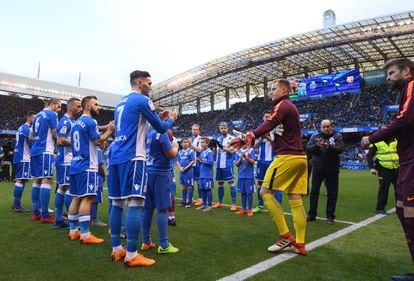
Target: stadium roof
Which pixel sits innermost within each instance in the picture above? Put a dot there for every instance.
(18, 85)
(365, 44)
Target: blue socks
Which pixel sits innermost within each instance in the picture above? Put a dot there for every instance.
(162, 225)
(146, 225)
(184, 195)
(209, 197)
(35, 194)
(249, 201)
(84, 220)
(204, 197)
(190, 192)
(115, 219)
(44, 199)
(259, 198)
(233, 194)
(59, 201)
(244, 201)
(17, 194)
(73, 220)
(133, 226)
(94, 211)
(68, 200)
(220, 193)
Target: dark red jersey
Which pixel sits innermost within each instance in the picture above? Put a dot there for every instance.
(402, 127)
(286, 113)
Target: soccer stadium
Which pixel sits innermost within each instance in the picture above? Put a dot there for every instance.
(335, 73)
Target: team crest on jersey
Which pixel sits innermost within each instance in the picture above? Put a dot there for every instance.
(64, 129)
(151, 105)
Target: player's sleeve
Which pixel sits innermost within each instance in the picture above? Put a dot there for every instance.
(210, 160)
(53, 119)
(92, 130)
(26, 131)
(148, 110)
(165, 142)
(63, 129)
(404, 118)
(274, 120)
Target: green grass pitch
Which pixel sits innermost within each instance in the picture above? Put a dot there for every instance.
(213, 245)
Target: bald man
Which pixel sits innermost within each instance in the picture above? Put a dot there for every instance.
(325, 147)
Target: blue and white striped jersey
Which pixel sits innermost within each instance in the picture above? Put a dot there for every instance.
(23, 143)
(266, 153)
(224, 159)
(85, 153)
(42, 126)
(133, 115)
(64, 154)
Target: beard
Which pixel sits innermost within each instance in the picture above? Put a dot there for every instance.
(396, 85)
(94, 114)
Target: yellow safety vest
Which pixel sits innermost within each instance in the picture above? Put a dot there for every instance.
(387, 154)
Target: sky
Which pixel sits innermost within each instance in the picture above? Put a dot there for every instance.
(105, 40)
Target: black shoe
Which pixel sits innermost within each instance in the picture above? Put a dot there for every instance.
(382, 212)
(406, 277)
(309, 218)
(20, 210)
(172, 222)
(60, 224)
(330, 221)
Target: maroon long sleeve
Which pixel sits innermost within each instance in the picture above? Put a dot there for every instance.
(286, 113)
(402, 127)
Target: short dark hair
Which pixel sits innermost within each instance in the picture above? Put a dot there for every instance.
(284, 82)
(206, 139)
(71, 101)
(30, 113)
(137, 74)
(52, 101)
(86, 99)
(401, 63)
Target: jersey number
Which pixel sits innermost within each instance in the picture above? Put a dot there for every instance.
(120, 110)
(36, 126)
(75, 140)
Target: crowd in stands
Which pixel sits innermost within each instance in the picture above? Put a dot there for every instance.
(346, 110)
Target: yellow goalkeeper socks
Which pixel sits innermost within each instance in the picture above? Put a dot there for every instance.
(276, 212)
(299, 219)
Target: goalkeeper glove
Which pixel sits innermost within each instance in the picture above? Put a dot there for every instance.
(250, 139)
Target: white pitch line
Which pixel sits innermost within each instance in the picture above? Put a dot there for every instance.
(286, 213)
(269, 263)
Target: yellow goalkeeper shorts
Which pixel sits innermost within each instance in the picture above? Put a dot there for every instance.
(288, 173)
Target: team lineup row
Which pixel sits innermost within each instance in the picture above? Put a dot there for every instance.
(140, 165)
